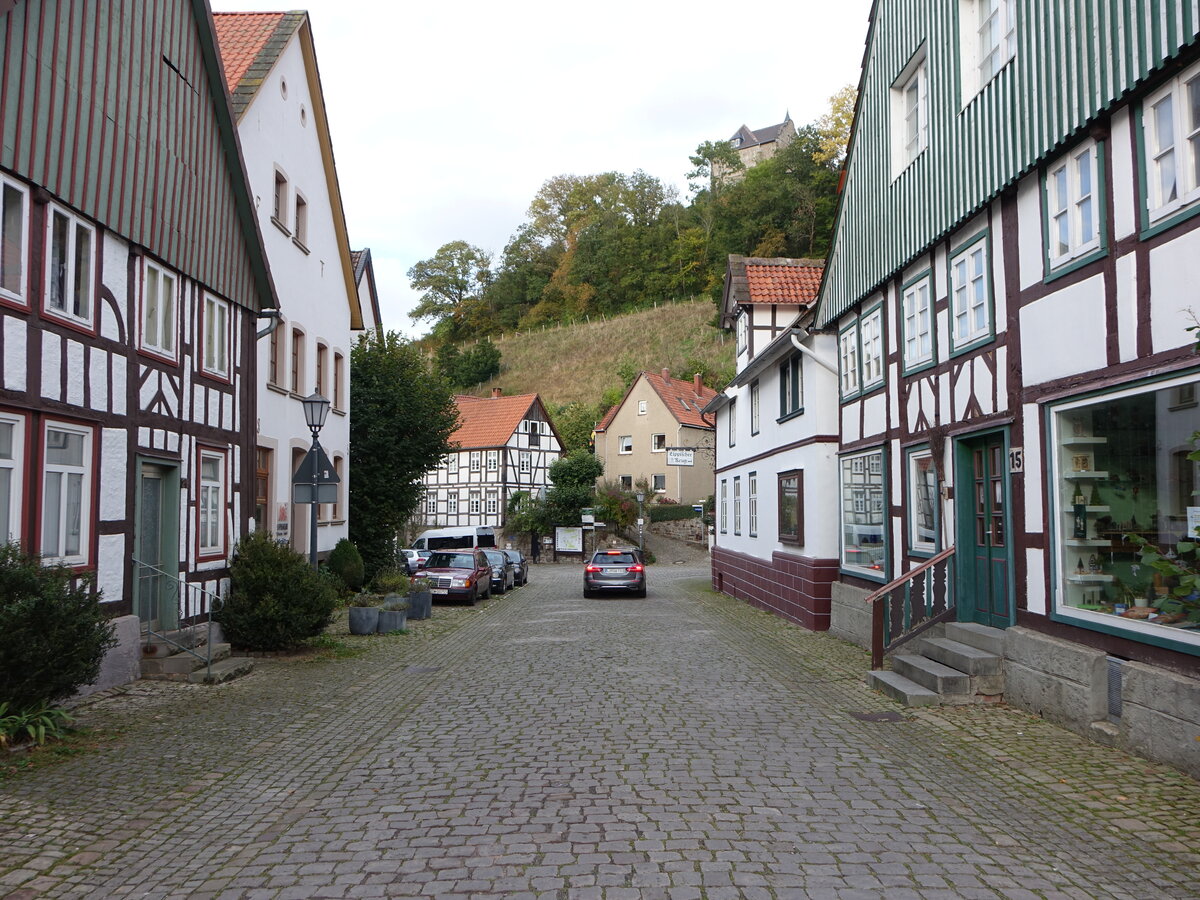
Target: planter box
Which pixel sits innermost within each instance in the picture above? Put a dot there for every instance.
(364, 619)
(392, 620)
(420, 604)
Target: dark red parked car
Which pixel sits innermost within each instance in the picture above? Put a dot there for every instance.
(459, 575)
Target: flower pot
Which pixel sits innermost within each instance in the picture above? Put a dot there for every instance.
(392, 620)
(364, 619)
(420, 604)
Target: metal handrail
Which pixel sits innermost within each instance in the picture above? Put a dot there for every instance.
(905, 613)
(183, 610)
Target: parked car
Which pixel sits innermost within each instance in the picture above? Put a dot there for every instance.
(412, 561)
(459, 575)
(615, 570)
(503, 573)
(424, 555)
(520, 565)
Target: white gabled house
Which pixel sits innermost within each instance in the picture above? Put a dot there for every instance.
(271, 68)
(502, 445)
(776, 444)
(132, 274)
(1013, 272)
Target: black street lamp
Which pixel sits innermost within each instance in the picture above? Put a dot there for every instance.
(316, 411)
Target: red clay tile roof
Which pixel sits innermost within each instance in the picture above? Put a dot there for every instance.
(679, 396)
(242, 37)
(794, 281)
(489, 421)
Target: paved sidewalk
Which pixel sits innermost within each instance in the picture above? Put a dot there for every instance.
(683, 746)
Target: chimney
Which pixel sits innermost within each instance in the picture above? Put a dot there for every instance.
(496, 392)
(666, 373)
(697, 384)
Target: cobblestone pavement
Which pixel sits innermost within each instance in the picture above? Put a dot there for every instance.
(683, 746)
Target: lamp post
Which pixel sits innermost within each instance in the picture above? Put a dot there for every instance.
(640, 497)
(316, 411)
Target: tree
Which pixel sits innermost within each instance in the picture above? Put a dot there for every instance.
(403, 419)
(574, 485)
(464, 369)
(834, 128)
(713, 160)
(454, 281)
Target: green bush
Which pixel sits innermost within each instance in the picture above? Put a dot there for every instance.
(276, 600)
(347, 563)
(390, 581)
(53, 635)
(671, 512)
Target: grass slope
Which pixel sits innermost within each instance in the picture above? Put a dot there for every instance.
(576, 363)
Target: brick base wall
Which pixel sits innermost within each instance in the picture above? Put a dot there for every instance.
(793, 587)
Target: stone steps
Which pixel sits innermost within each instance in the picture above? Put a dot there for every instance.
(163, 660)
(959, 663)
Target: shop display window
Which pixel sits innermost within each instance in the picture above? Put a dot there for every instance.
(1123, 475)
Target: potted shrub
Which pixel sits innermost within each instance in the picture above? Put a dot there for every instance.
(394, 614)
(420, 598)
(364, 614)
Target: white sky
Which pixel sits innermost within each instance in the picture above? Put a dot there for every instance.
(447, 118)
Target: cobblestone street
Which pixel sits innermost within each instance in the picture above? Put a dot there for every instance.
(542, 745)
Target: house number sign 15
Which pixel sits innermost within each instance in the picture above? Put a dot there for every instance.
(1016, 460)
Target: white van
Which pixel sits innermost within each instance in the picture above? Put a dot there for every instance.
(456, 538)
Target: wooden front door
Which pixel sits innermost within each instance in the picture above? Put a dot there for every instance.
(984, 557)
(156, 541)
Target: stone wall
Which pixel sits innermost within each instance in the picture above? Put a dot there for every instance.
(849, 615)
(122, 664)
(793, 587)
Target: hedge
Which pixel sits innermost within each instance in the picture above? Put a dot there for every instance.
(672, 513)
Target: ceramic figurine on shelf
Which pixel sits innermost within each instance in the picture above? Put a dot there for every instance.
(1079, 569)
(1093, 564)
(1095, 498)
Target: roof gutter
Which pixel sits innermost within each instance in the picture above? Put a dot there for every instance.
(801, 334)
(272, 316)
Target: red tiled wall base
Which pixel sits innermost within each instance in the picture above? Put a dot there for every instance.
(794, 587)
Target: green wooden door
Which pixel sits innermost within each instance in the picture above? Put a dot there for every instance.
(984, 557)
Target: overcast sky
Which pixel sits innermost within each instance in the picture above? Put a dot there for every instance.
(447, 117)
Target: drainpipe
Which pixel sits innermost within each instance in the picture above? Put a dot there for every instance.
(272, 316)
(798, 335)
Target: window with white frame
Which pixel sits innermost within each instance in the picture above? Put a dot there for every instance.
(1171, 137)
(922, 502)
(791, 386)
(1072, 206)
(863, 544)
(14, 230)
(431, 505)
(917, 300)
(641, 407)
(755, 408)
(752, 502)
(970, 310)
(452, 504)
(493, 504)
(493, 461)
(743, 332)
(658, 443)
(216, 337)
(211, 503)
(848, 360)
(910, 113)
(658, 483)
(476, 460)
(452, 464)
(473, 503)
(525, 462)
(871, 331)
(12, 445)
(625, 443)
(70, 266)
(732, 422)
(66, 493)
(987, 41)
(724, 505)
(737, 504)
(158, 309)
(627, 482)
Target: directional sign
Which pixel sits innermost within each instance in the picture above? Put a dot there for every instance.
(316, 468)
(680, 457)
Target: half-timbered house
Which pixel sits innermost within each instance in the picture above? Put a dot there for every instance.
(1013, 275)
(271, 69)
(502, 445)
(132, 273)
(776, 444)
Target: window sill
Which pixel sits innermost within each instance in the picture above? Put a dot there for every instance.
(300, 244)
(1068, 266)
(868, 574)
(338, 412)
(271, 386)
(226, 378)
(1170, 219)
(973, 344)
(923, 365)
(794, 414)
(280, 226)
